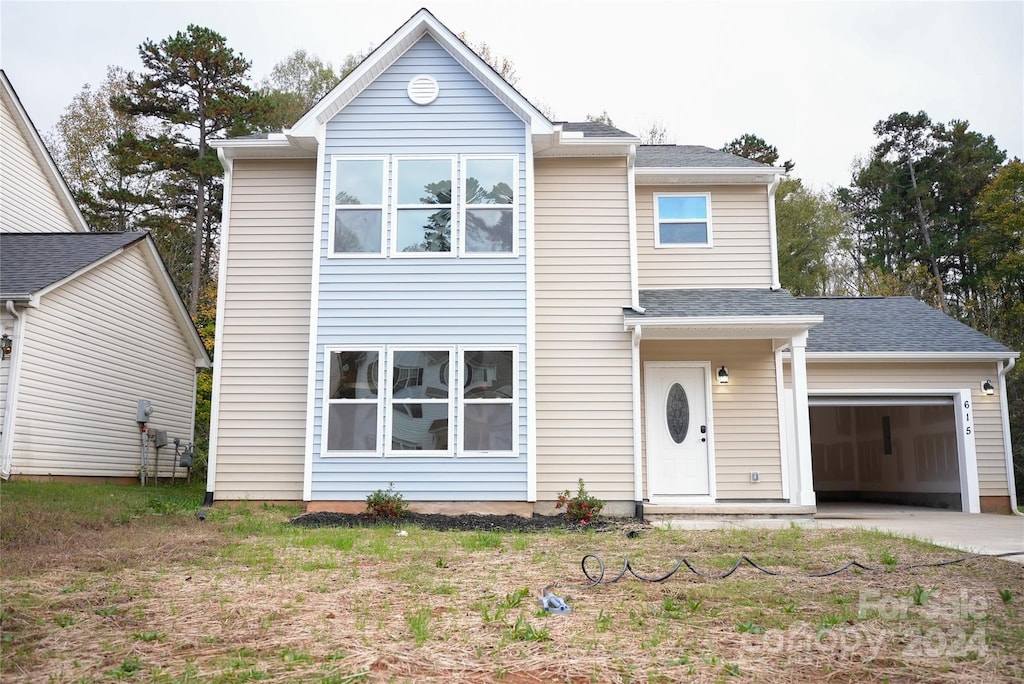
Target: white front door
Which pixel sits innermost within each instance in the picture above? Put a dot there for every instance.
(678, 431)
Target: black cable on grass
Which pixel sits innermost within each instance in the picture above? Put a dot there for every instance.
(628, 567)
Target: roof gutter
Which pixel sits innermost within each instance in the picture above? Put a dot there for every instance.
(724, 321)
(875, 357)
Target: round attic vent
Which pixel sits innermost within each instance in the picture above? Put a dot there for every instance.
(423, 89)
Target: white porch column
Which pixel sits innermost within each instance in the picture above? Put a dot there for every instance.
(804, 495)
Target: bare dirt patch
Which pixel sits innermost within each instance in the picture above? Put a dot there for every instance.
(246, 596)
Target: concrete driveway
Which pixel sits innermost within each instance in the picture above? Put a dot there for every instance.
(972, 532)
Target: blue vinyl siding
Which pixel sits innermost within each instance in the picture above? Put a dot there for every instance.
(431, 300)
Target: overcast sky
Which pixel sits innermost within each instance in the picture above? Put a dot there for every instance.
(811, 78)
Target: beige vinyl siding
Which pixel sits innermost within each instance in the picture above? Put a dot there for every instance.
(28, 199)
(583, 355)
(745, 412)
(988, 426)
(741, 255)
(92, 349)
(261, 438)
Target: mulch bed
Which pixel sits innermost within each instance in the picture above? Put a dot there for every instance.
(485, 523)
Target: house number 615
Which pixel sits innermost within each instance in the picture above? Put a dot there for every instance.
(967, 417)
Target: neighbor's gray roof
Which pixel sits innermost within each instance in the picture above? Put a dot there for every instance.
(717, 302)
(593, 129)
(690, 156)
(30, 262)
(891, 324)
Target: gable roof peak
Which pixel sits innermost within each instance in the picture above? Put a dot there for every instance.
(422, 23)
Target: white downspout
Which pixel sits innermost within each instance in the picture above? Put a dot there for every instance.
(1007, 447)
(773, 236)
(634, 269)
(638, 492)
(11, 405)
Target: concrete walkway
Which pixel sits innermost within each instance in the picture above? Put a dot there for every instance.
(972, 532)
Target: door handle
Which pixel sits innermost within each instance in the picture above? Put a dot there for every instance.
(703, 431)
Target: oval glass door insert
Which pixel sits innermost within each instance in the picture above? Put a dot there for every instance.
(677, 413)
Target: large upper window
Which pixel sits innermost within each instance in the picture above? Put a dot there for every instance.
(489, 200)
(682, 220)
(402, 206)
(423, 202)
(358, 206)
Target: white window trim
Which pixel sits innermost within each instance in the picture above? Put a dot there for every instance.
(334, 206)
(395, 207)
(690, 245)
(325, 412)
(514, 254)
(514, 452)
(389, 404)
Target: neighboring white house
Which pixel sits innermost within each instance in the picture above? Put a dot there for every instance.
(91, 324)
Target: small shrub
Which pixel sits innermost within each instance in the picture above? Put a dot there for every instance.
(386, 504)
(581, 507)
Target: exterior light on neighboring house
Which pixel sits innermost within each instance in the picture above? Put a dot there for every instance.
(987, 388)
(5, 346)
(723, 376)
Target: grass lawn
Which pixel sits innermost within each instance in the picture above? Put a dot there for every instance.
(112, 583)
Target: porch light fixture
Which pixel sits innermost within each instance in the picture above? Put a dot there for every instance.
(987, 388)
(723, 376)
(5, 346)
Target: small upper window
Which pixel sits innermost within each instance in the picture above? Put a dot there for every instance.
(423, 221)
(489, 200)
(358, 206)
(682, 220)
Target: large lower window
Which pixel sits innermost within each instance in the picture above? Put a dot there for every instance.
(420, 411)
(353, 401)
(416, 397)
(682, 220)
(358, 207)
(487, 401)
(423, 201)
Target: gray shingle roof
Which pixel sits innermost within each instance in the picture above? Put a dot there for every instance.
(891, 324)
(718, 302)
(593, 129)
(690, 156)
(30, 262)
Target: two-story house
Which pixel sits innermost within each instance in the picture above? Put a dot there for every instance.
(425, 281)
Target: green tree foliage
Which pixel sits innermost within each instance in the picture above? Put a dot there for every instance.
(108, 192)
(502, 65)
(602, 118)
(812, 231)
(195, 86)
(298, 82)
(656, 133)
(913, 201)
(998, 250)
(812, 241)
(750, 146)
